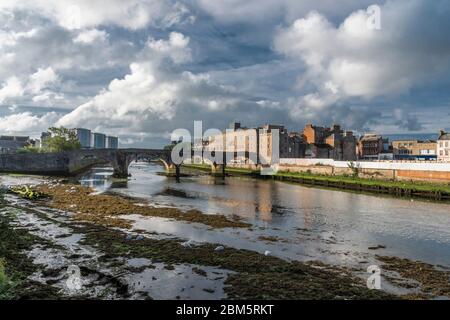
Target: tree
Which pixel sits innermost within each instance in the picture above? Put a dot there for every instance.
(62, 139)
(30, 149)
(171, 145)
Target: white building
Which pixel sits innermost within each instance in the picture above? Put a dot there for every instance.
(443, 148)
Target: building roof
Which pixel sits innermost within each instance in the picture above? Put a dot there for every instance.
(14, 138)
(445, 136)
(370, 137)
(414, 141)
(13, 145)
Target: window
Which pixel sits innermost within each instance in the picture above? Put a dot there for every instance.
(441, 153)
(441, 144)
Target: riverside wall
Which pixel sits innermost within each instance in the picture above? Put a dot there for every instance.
(389, 170)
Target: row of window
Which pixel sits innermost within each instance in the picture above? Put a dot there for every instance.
(405, 145)
(447, 152)
(442, 143)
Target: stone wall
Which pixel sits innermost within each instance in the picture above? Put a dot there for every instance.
(40, 163)
(390, 170)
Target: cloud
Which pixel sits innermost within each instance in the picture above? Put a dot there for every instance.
(352, 61)
(11, 89)
(55, 65)
(42, 79)
(27, 123)
(405, 120)
(130, 14)
(158, 96)
(141, 68)
(90, 36)
(176, 48)
(36, 85)
(147, 91)
(263, 10)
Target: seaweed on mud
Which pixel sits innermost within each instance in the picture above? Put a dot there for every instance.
(28, 193)
(18, 267)
(255, 276)
(3, 191)
(104, 209)
(199, 271)
(271, 239)
(434, 282)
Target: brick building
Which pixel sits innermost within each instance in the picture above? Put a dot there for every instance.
(256, 144)
(443, 147)
(414, 150)
(370, 146)
(331, 143)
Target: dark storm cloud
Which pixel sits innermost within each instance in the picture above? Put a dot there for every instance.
(145, 67)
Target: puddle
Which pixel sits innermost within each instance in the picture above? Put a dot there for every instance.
(181, 282)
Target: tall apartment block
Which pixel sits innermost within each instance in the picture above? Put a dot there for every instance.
(84, 136)
(98, 140)
(112, 142)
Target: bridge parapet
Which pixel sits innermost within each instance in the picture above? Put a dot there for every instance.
(73, 162)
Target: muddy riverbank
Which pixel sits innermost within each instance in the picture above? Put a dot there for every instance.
(105, 209)
(77, 226)
(244, 274)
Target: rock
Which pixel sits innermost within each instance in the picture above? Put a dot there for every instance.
(219, 248)
(139, 237)
(188, 243)
(129, 237)
(267, 253)
(377, 247)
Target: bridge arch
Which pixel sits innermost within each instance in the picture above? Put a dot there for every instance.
(119, 159)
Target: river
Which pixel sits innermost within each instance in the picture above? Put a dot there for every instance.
(291, 221)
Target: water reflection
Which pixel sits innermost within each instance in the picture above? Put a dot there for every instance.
(318, 223)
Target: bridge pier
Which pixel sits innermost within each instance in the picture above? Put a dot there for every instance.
(218, 170)
(121, 164)
(173, 170)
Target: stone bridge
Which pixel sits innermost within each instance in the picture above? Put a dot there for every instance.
(78, 161)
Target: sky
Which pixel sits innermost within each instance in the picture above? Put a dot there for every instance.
(139, 69)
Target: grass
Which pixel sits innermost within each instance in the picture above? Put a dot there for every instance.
(416, 186)
(406, 185)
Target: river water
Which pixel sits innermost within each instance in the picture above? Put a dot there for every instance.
(291, 221)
